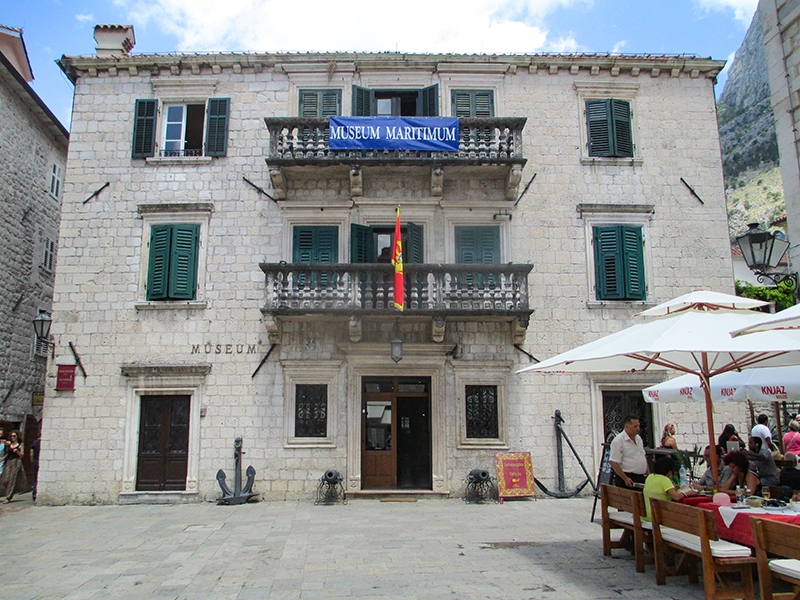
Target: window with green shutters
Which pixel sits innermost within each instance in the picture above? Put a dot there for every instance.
(608, 123)
(186, 129)
(397, 103)
(619, 262)
(320, 103)
(472, 103)
(477, 244)
(172, 268)
(313, 244)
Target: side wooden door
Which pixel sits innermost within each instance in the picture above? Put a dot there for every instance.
(163, 443)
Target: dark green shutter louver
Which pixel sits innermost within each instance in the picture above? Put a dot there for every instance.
(144, 128)
(363, 102)
(331, 103)
(472, 103)
(158, 266)
(361, 243)
(183, 262)
(309, 103)
(414, 252)
(315, 244)
(619, 263)
(217, 126)
(623, 142)
(599, 127)
(428, 101)
(320, 103)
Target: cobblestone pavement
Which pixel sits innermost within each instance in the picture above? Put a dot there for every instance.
(525, 549)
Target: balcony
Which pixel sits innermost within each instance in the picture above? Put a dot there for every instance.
(491, 143)
(435, 290)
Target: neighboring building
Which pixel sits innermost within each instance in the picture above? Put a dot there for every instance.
(781, 22)
(231, 280)
(32, 165)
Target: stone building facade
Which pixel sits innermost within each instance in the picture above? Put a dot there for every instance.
(277, 325)
(32, 169)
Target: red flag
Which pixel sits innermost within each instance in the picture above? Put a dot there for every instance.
(397, 261)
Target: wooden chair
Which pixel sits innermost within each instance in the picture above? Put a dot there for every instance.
(630, 507)
(692, 532)
(783, 541)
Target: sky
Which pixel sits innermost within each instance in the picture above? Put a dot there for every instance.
(52, 28)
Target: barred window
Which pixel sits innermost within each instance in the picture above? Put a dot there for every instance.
(481, 411)
(311, 411)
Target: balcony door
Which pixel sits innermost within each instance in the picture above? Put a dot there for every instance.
(396, 433)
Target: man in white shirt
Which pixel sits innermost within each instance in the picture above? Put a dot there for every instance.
(762, 431)
(627, 456)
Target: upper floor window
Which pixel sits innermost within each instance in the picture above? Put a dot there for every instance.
(477, 244)
(373, 244)
(56, 176)
(315, 244)
(396, 103)
(619, 262)
(608, 124)
(172, 267)
(190, 129)
(320, 103)
(472, 103)
(49, 256)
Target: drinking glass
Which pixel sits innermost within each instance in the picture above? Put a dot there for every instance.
(765, 492)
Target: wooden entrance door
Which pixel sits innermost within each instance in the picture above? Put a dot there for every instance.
(163, 444)
(396, 438)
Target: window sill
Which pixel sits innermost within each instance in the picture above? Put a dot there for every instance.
(621, 304)
(171, 305)
(611, 161)
(179, 160)
(307, 443)
(482, 445)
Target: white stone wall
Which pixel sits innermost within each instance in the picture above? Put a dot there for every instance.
(100, 308)
(28, 215)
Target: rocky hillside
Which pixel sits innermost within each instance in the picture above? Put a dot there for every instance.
(747, 138)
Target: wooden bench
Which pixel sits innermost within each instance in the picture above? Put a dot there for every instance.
(693, 532)
(630, 506)
(783, 541)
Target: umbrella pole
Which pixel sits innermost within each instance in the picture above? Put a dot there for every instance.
(710, 419)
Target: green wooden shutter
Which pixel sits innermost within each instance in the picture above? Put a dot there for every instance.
(183, 262)
(598, 123)
(414, 252)
(315, 244)
(331, 104)
(633, 251)
(309, 103)
(217, 126)
(608, 263)
(144, 128)
(363, 102)
(472, 103)
(361, 244)
(428, 101)
(623, 142)
(158, 264)
(477, 244)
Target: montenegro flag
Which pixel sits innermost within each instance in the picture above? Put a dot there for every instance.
(397, 261)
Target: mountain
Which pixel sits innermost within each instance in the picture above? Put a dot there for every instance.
(747, 138)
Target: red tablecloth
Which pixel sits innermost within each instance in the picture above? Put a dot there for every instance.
(695, 500)
(739, 531)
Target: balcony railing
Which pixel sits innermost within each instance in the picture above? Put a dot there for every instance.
(304, 140)
(368, 289)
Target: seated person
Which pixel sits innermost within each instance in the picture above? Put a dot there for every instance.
(743, 473)
(766, 469)
(659, 484)
(706, 482)
(790, 476)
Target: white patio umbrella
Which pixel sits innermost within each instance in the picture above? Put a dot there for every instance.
(786, 319)
(692, 335)
(768, 384)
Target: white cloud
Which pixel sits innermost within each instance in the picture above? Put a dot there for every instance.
(619, 46)
(743, 10)
(459, 26)
(84, 18)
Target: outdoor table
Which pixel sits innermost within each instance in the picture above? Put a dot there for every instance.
(695, 500)
(733, 524)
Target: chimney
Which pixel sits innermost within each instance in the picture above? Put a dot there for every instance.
(114, 40)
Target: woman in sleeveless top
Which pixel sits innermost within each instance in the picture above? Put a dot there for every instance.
(13, 479)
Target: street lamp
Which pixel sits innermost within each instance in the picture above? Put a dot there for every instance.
(761, 251)
(41, 325)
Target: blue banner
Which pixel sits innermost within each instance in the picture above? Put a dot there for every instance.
(436, 134)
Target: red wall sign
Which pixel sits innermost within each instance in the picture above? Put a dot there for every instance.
(514, 475)
(65, 382)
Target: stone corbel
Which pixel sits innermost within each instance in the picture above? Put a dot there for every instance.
(278, 183)
(437, 182)
(355, 329)
(437, 329)
(356, 182)
(273, 329)
(512, 182)
(519, 327)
